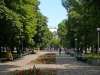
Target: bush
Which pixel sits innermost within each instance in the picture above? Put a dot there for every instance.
(6, 56)
(15, 55)
(2, 54)
(90, 58)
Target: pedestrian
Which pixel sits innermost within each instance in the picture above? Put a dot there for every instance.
(60, 50)
(65, 49)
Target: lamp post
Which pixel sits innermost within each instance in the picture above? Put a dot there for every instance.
(19, 50)
(76, 45)
(98, 30)
(21, 41)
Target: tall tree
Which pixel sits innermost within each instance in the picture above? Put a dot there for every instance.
(43, 34)
(83, 18)
(18, 22)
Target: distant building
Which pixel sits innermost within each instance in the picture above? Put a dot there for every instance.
(54, 31)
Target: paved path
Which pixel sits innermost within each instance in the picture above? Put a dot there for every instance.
(65, 65)
(19, 64)
(74, 67)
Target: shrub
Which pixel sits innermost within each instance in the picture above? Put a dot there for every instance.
(90, 58)
(7, 55)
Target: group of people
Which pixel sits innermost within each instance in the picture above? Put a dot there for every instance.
(60, 50)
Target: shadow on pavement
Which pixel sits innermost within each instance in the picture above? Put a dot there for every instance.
(4, 67)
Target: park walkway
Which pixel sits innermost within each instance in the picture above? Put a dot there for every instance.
(19, 64)
(74, 67)
(65, 65)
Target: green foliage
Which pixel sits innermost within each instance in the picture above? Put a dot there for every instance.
(21, 22)
(62, 31)
(92, 58)
(6, 56)
(55, 42)
(83, 19)
(43, 35)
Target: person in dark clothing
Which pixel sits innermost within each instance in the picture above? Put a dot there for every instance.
(65, 49)
(60, 50)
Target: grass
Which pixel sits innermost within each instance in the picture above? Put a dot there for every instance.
(49, 58)
(92, 56)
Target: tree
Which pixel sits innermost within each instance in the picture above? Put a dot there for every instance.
(18, 22)
(83, 19)
(43, 35)
(62, 31)
(9, 26)
(55, 42)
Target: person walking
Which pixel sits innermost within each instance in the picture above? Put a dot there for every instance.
(60, 50)
(65, 49)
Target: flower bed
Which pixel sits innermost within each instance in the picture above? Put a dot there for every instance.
(49, 58)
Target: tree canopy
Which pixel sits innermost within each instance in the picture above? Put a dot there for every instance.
(82, 23)
(22, 23)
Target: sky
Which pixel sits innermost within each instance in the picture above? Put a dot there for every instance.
(54, 10)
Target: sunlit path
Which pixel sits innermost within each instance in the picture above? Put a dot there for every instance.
(74, 67)
(65, 65)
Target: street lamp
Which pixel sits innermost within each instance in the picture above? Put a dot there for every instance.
(98, 30)
(76, 44)
(21, 41)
